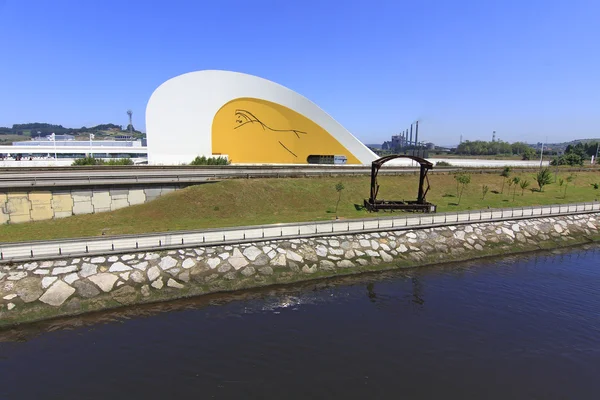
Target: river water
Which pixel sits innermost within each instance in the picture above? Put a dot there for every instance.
(523, 327)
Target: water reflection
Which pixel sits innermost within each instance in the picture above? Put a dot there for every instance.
(297, 295)
(513, 327)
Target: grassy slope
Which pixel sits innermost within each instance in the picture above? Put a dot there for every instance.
(9, 138)
(263, 201)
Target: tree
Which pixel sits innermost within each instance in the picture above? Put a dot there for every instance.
(570, 179)
(520, 147)
(510, 183)
(571, 159)
(480, 147)
(515, 182)
(543, 178)
(456, 175)
(505, 174)
(591, 148)
(578, 149)
(484, 190)
(338, 188)
(464, 180)
(528, 153)
(524, 185)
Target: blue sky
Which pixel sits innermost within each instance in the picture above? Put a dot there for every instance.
(528, 69)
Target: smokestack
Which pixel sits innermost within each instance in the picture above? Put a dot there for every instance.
(410, 142)
(417, 134)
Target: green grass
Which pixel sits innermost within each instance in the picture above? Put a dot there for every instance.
(240, 202)
(432, 154)
(8, 139)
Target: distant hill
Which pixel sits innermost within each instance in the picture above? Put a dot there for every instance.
(583, 141)
(20, 132)
(562, 146)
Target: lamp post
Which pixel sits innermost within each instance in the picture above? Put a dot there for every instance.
(542, 154)
(92, 136)
(53, 139)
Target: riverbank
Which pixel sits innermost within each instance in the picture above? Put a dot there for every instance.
(244, 202)
(520, 326)
(46, 289)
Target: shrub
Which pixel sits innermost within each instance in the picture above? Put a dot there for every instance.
(210, 161)
(571, 159)
(528, 154)
(87, 161)
(99, 161)
(118, 161)
(443, 164)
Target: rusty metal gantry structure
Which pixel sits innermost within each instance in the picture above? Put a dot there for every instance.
(420, 205)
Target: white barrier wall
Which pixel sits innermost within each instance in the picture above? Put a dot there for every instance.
(102, 245)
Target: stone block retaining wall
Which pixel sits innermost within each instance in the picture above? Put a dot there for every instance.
(42, 289)
(23, 206)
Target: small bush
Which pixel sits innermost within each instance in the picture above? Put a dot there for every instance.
(443, 164)
(118, 161)
(99, 161)
(87, 161)
(210, 161)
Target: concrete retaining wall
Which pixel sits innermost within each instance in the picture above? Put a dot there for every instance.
(44, 289)
(26, 206)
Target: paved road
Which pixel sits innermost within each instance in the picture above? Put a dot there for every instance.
(55, 177)
(45, 177)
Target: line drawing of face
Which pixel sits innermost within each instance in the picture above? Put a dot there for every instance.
(243, 117)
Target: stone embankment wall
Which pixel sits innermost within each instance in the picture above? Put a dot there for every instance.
(22, 206)
(43, 289)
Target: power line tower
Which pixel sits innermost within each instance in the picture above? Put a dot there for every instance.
(130, 114)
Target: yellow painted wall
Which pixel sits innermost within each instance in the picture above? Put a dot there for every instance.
(258, 131)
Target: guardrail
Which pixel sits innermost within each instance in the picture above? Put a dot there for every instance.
(10, 252)
(135, 176)
(43, 178)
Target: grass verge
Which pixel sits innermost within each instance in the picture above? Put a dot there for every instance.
(240, 202)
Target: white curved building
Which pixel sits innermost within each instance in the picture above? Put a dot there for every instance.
(248, 119)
